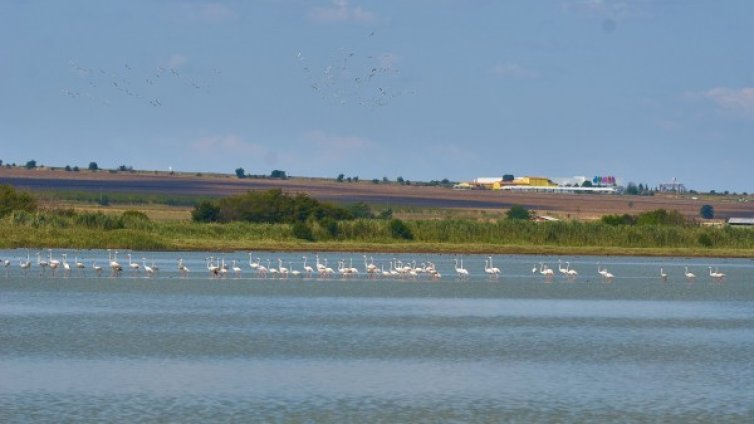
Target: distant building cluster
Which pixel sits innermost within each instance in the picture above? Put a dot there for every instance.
(598, 184)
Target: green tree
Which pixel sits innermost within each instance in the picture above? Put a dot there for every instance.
(31, 164)
(278, 174)
(707, 212)
(93, 166)
(400, 180)
(518, 212)
(340, 178)
(632, 189)
(11, 200)
(240, 173)
(587, 183)
(508, 177)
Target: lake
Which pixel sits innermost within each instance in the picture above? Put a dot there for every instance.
(518, 348)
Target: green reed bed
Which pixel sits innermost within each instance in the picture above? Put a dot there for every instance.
(68, 229)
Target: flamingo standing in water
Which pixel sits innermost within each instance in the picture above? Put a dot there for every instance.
(663, 275)
(690, 276)
(307, 268)
(460, 270)
(716, 275)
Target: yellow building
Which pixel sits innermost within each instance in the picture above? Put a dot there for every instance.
(533, 182)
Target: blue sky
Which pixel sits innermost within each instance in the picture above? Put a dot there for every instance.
(645, 90)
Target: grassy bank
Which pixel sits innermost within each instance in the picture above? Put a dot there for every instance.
(135, 231)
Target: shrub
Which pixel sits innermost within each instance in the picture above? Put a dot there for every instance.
(302, 231)
(707, 212)
(399, 229)
(206, 211)
(10, 201)
(518, 212)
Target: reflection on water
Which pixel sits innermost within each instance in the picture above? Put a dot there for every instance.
(200, 349)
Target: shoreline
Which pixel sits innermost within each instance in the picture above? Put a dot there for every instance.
(417, 248)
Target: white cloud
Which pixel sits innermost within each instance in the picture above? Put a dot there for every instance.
(736, 100)
(342, 11)
(209, 12)
(336, 144)
(611, 9)
(227, 145)
(176, 60)
(512, 70)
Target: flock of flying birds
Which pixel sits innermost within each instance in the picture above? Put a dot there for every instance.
(106, 87)
(352, 76)
(217, 267)
(347, 76)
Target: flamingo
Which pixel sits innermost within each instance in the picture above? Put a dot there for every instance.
(282, 270)
(41, 262)
(148, 269)
(25, 265)
(717, 276)
(53, 263)
(271, 270)
(236, 269)
(97, 268)
(546, 271)
(294, 272)
(66, 266)
(307, 268)
(663, 275)
(182, 269)
(213, 269)
(495, 269)
(562, 270)
(606, 276)
(6, 264)
(690, 276)
(79, 265)
(571, 273)
(114, 265)
(460, 270)
(253, 265)
(261, 269)
(488, 269)
(134, 266)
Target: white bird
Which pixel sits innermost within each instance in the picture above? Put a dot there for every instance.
(495, 269)
(253, 265)
(307, 268)
(460, 270)
(546, 271)
(66, 266)
(182, 269)
(79, 265)
(134, 266)
(282, 270)
(41, 262)
(148, 269)
(97, 268)
(236, 269)
(690, 276)
(53, 263)
(114, 265)
(571, 273)
(25, 265)
(294, 272)
(663, 275)
(562, 270)
(716, 275)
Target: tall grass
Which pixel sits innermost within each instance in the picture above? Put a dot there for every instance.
(133, 230)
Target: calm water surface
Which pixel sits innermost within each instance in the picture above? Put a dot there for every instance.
(247, 349)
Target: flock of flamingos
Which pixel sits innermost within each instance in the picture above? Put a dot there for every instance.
(219, 268)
